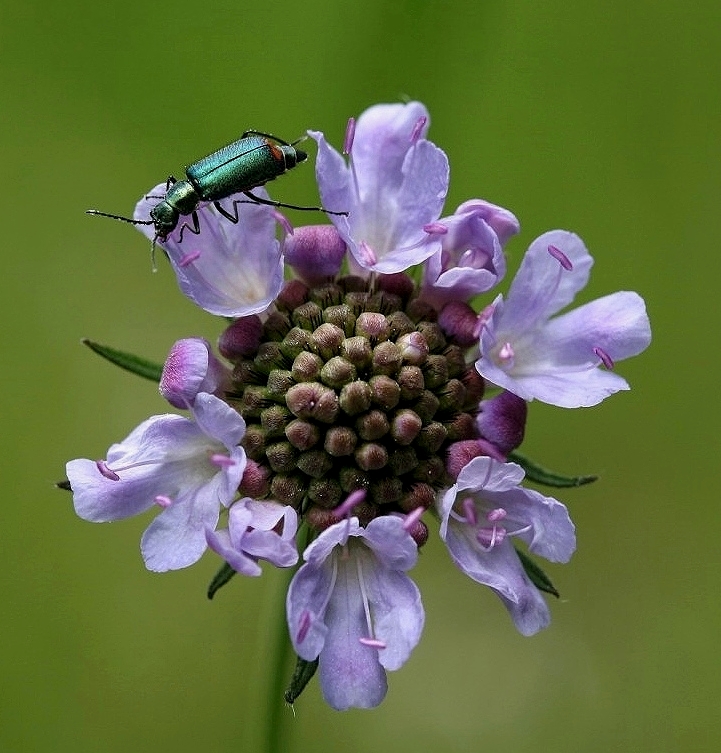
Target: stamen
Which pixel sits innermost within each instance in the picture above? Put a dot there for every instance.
(283, 221)
(353, 499)
(497, 514)
(304, 626)
(222, 461)
(469, 510)
(412, 518)
(372, 642)
(367, 254)
(349, 136)
(435, 228)
(189, 258)
(489, 538)
(418, 128)
(605, 358)
(364, 598)
(484, 317)
(105, 471)
(506, 354)
(163, 501)
(560, 257)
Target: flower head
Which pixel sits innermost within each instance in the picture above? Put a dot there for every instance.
(348, 376)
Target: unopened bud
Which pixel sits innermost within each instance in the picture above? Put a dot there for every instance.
(314, 463)
(327, 339)
(306, 367)
(459, 321)
(312, 400)
(385, 391)
(355, 398)
(340, 441)
(293, 294)
(288, 489)
(342, 317)
(435, 370)
(241, 338)
(372, 425)
(325, 492)
(308, 316)
(405, 426)
(281, 457)
(315, 252)
(371, 456)
(373, 326)
(302, 434)
(256, 480)
(414, 348)
(387, 358)
(337, 372)
(410, 380)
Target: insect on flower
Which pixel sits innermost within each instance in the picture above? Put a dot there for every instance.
(251, 161)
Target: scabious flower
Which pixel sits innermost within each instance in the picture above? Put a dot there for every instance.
(365, 396)
(189, 468)
(352, 606)
(559, 360)
(227, 269)
(251, 535)
(480, 515)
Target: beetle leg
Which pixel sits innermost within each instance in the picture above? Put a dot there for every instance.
(195, 229)
(272, 203)
(228, 215)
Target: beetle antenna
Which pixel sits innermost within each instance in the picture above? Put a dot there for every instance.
(303, 138)
(118, 217)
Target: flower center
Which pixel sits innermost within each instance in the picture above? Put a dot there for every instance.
(354, 386)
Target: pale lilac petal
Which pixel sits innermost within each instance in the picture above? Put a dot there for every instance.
(541, 286)
(228, 269)
(382, 137)
(176, 538)
(220, 542)
(616, 323)
(217, 419)
(398, 615)
(489, 475)
(99, 499)
(349, 671)
(390, 542)
(306, 604)
(503, 223)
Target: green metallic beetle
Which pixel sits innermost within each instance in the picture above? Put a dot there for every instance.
(251, 161)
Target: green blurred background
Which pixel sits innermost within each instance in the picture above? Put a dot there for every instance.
(600, 117)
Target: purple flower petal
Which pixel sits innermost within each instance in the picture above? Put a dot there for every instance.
(558, 360)
(228, 269)
(394, 187)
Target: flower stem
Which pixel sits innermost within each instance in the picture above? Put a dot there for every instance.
(280, 651)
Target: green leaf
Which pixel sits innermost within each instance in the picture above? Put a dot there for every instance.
(224, 574)
(541, 475)
(127, 361)
(304, 671)
(539, 579)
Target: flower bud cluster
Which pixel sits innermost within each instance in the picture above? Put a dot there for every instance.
(346, 386)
